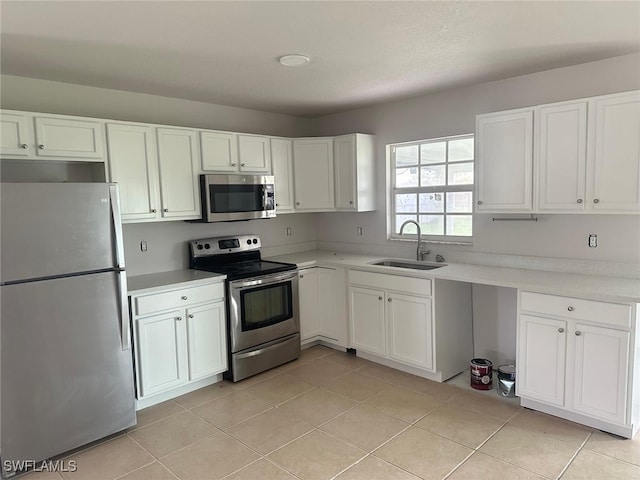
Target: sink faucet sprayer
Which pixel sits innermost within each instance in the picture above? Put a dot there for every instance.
(420, 253)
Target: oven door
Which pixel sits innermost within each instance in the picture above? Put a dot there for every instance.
(237, 197)
(262, 309)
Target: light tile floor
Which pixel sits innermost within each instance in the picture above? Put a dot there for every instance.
(333, 415)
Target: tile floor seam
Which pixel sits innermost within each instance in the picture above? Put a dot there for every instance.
(609, 456)
(241, 468)
(95, 444)
(282, 468)
(208, 401)
(155, 460)
(278, 448)
(569, 463)
(137, 429)
(350, 466)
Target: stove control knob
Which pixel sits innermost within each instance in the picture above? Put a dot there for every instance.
(207, 246)
(249, 242)
(200, 247)
(255, 240)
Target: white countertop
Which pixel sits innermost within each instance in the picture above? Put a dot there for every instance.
(155, 282)
(589, 286)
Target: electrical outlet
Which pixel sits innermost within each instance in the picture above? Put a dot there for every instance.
(593, 240)
(143, 246)
(358, 230)
(288, 231)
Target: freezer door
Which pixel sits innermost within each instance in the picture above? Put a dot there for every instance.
(52, 229)
(66, 380)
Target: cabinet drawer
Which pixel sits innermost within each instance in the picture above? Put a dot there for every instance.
(409, 285)
(157, 302)
(616, 314)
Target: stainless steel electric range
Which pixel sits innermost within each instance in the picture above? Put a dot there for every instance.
(263, 326)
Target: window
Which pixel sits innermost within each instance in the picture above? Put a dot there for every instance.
(432, 183)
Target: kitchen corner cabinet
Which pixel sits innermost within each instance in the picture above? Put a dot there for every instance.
(178, 164)
(282, 163)
(313, 174)
(576, 360)
(397, 321)
(322, 305)
(504, 149)
(354, 172)
(51, 137)
(180, 340)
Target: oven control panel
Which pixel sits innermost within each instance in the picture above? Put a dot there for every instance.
(219, 245)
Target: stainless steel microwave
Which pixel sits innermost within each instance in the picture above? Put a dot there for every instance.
(227, 198)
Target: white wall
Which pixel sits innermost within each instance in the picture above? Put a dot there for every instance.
(452, 113)
(167, 247)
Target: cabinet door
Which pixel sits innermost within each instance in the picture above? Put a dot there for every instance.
(207, 340)
(615, 156)
(254, 153)
(15, 137)
(561, 153)
(344, 149)
(281, 158)
(367, 319)
(601, 372)
(308, 302)
(70, 139)
(410, 327)
(161, 352)
(178, 156)
(541, 359)
(133, 164)
(505, 154)
(313, 174)
(327, 319)
(219, 151)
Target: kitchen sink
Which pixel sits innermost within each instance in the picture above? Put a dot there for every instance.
(409, 264)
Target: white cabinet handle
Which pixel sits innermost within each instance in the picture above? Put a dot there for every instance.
(242, 164)
(234, 164)
(595, 200)
(301, 276)
(379, 298)
(24, 146)
(570, 309)
(41, 147)
(179, 319)
(184, 297)
(166, 209)
(561, 330)
(191, 315)
(153, 210)
(389, 299)
(579, 200)
(578, 333)
(350, 202)
(479, 202)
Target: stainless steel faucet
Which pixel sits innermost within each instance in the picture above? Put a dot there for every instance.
(420, 253)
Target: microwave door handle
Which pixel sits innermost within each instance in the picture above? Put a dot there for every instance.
(264, 198)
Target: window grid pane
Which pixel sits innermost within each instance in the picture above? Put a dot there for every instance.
(433, 184)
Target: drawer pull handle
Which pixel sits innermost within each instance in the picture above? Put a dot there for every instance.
(191, 315)
(379, 298)
(41, 147)
(242, 164)
(301, 276)
(24, 146)
(153, 210)
(234, 164)
(179, 319)
(184, 297)
(389, 299)
(570, 309)
(561, 330)
(166, 209)
(479, 202)
(578, 333)
(595, 200)
(579, 200)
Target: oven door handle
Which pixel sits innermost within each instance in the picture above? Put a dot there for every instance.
(266, 280)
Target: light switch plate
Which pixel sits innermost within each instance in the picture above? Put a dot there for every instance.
(593, 240)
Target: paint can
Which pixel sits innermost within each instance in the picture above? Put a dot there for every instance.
(481, 374)
(507, 380)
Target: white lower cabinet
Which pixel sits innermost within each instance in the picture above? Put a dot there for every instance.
(575, 360)
(322, 305)
(180, 340)
(414, 324)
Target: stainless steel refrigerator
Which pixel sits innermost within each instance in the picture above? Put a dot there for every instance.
(66, 374)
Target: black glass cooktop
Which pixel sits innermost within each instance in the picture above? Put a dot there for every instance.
(252, 268)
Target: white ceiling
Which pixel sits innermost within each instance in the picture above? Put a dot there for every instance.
(362, 52)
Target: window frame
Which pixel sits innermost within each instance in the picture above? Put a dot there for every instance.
(393, 190)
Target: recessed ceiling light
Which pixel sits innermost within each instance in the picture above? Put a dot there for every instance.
(294, 60)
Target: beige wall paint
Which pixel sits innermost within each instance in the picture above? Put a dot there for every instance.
(452, 113)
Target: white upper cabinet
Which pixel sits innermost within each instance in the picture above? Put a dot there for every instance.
(282, 162)
(133, 164)
(313, 174)
(16, 138)
(66, 138)
(354, 172)
(254, 154)
(614, 152)
(219, 151)
(561, 140)
(504, 143)
(51, 137)
(178, 156)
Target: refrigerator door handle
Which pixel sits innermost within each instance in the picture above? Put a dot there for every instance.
(117, 225)
(125, 332)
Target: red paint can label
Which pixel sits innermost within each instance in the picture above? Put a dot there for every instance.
(481, 374)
